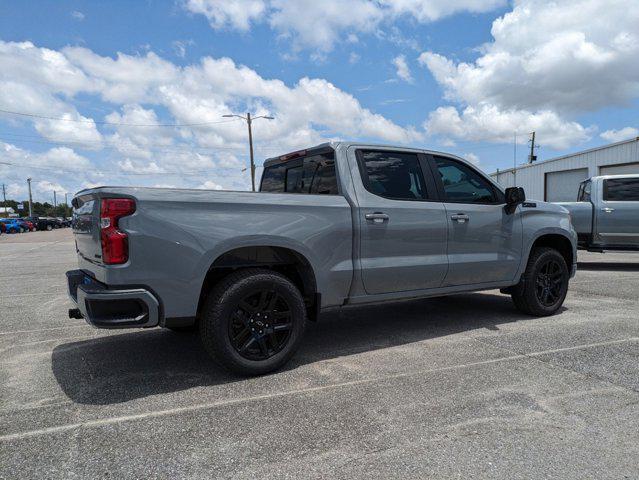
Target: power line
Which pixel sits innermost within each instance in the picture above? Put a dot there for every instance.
(111, 145)
(97, 122)
(98, 172)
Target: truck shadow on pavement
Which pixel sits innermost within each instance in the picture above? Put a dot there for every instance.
(122, 367)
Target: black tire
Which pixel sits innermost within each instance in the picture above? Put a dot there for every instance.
(49, 228)
(544, 285)
(264, 339)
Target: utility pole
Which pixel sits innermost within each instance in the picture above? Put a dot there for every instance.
(66, 204)
(515, 160)
(249, 122)
(4, 195)
(30, 199)
(55, 202)
(532, 157)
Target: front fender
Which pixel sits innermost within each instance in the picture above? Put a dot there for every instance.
(564, 229)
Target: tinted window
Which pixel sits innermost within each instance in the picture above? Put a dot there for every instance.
(325, 180)
(294, 179)
(273, 179)
(621, 189)
(462, 184)
(393, 175)
(584, 191)
(313, 174)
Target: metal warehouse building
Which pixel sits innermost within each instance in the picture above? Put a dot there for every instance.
(557, 179)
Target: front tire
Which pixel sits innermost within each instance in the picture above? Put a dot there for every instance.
(544, 285)
(49, 228)
(253, 321)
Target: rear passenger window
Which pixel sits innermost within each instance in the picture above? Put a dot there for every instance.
(621, 189)
(393, 175)
(312, 174)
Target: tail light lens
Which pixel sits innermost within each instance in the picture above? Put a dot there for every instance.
(115, 244)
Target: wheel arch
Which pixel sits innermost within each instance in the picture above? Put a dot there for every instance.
(283, 259)
(557, 240)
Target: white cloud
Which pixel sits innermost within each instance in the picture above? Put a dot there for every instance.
(472, 158)
(432, 10)
(125, 79)
(548, 61)
(402, 68)
(60, 169)
(488, 123)
(320, 24)
(569, 56)
(226, 13)
(210, 185)
(147, 89)
(619, 135)
(77, 15)
(128, 166)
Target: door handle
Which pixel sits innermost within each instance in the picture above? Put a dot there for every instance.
(377, 217)
(607, 209)
(460, 217)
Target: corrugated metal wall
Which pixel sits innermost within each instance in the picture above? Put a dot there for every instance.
(532, 177)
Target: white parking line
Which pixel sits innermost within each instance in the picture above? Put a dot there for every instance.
(204, 406)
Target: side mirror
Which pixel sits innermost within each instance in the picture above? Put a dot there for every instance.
(514, 196)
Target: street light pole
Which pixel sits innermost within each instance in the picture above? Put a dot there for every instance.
(249, 122)
(250, 131)
(30, 199)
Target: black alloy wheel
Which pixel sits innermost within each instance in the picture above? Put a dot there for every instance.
(261, 325)
(544, 284)
(549, 281)
(253, 321)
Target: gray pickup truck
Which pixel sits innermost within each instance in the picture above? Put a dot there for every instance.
(335, 225)
(606, 213)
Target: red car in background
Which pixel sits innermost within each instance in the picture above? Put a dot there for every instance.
(26, 224)
(3, 229)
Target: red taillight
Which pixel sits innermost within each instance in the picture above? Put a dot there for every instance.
(115, 244)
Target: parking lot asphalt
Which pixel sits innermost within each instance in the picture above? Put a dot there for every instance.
(455, 387)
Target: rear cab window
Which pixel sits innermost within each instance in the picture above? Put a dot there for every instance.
(311, 174)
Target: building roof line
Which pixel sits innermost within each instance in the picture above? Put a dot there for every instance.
(583, 152)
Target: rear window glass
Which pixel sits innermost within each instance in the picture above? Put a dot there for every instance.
(621, 189)
(273, 179)
(313, 174)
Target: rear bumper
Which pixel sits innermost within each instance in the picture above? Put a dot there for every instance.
(105, 307)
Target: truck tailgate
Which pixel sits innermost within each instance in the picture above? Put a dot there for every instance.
(86, 227)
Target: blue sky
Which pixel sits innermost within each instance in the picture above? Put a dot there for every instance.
(456, 76)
